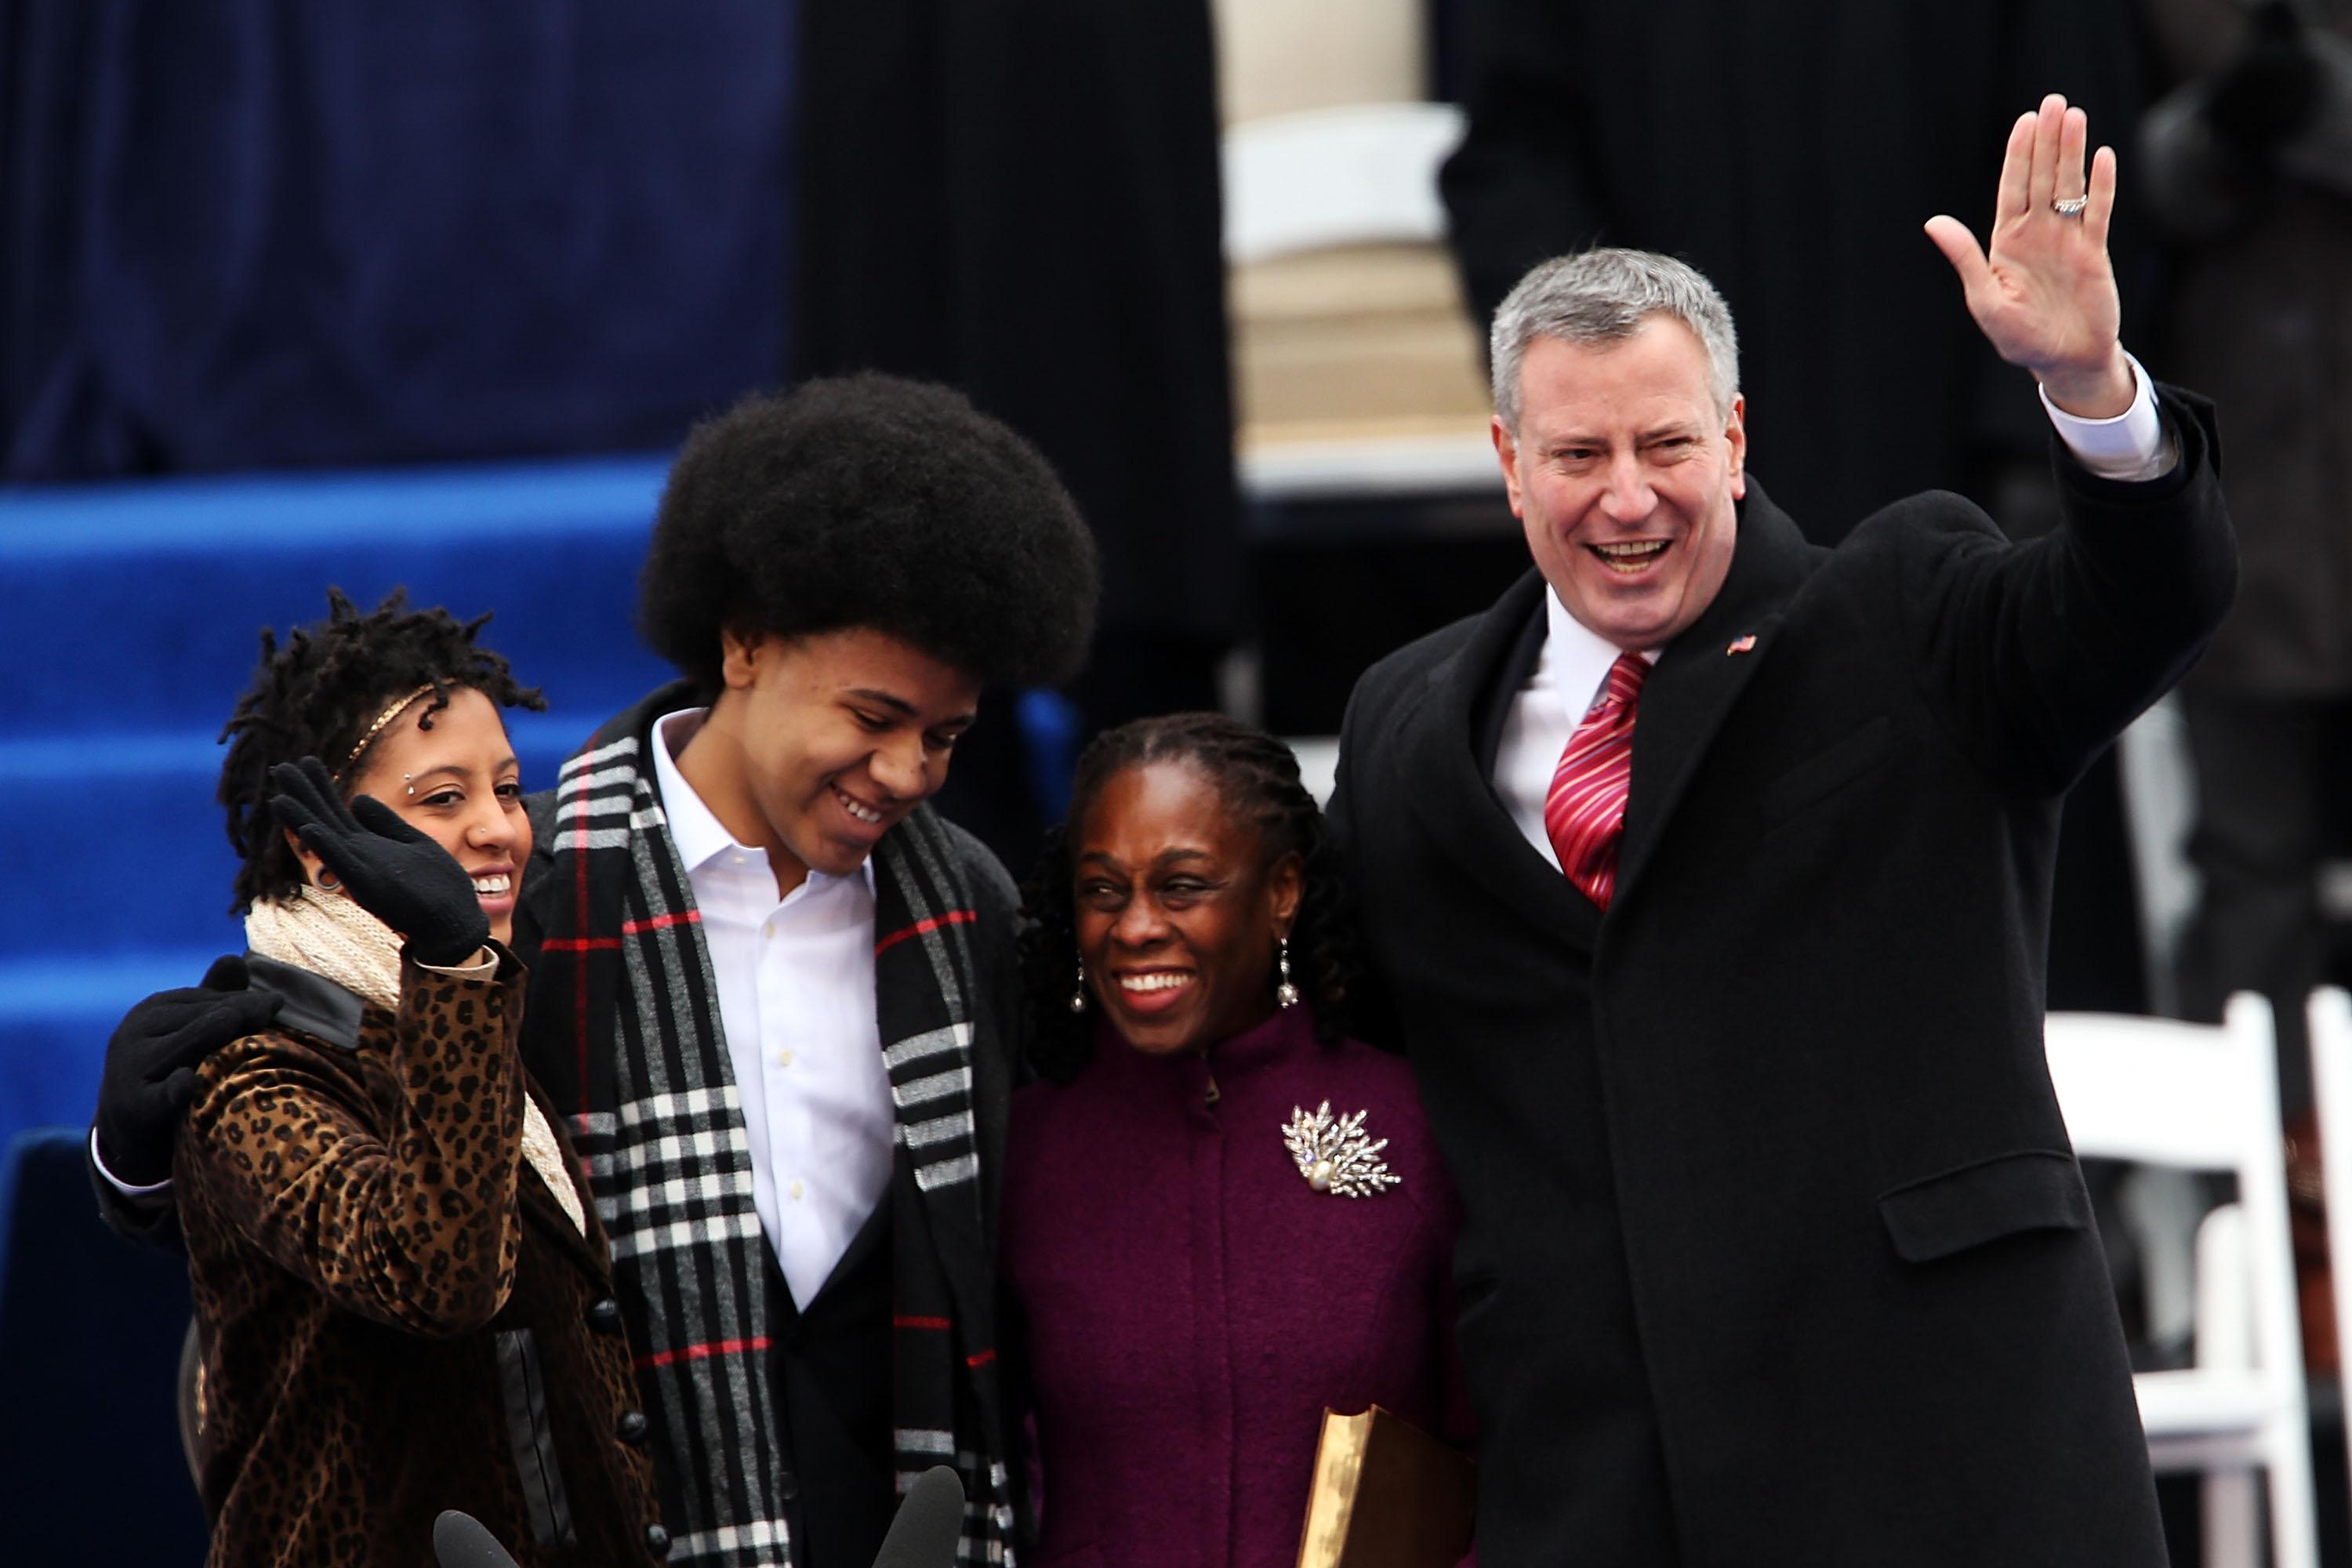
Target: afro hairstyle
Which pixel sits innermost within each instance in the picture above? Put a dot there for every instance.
(874, 502)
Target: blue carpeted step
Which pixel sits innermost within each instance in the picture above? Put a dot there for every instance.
(54, 1015)
(124, 848)
(134, 608)
(132, 612)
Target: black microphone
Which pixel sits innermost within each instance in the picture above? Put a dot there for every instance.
(461, 1540)
(924, 1534)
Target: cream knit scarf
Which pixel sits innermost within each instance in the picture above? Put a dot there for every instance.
(328, 935)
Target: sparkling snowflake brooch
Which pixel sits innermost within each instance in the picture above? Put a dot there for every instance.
(1334, 1155)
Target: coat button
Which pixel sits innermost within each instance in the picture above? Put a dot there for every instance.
(604, 1316)
(631, 1428)
(657, 1540)
(788, 1486)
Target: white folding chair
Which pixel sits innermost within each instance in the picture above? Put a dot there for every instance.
(2205, 1097)
(2330, 1013)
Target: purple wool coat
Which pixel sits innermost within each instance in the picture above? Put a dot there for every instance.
(1186, 1305)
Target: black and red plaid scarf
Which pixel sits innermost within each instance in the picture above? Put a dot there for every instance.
(655, 1114)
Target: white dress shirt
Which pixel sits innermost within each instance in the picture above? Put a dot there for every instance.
(1574, 664)
(795, 981)
(1569, 675)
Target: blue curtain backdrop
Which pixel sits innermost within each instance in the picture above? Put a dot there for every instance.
(249, 234)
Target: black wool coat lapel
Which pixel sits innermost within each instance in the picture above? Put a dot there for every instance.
(1449, 737)
(1698, 679)
(1447, 740)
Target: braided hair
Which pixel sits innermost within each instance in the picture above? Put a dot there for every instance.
(315, 694)
(1257, 777)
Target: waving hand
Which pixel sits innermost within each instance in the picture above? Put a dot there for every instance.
(2044, 293)
(390, 869)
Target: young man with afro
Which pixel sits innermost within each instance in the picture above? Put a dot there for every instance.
(775, 993)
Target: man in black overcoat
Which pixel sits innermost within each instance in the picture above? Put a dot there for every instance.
(1776, 1251)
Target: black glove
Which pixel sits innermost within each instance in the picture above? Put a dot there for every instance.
(390, 869)
(2269, 93)
(151, 1066)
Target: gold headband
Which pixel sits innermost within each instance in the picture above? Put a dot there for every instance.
(386, 717)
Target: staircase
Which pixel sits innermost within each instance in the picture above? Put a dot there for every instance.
(131, 623)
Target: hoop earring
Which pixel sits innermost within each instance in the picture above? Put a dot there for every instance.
(326, 882)
(1078, 997)
(1285, 995)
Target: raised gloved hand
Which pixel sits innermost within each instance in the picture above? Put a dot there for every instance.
(389, 869)
(149, 1077)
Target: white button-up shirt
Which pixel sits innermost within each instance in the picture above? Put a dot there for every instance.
(795, 981)
(1569, 675)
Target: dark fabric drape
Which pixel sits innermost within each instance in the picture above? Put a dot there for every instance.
(277, 233)
(1020, 197)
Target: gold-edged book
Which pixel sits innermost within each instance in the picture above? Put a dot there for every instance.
(1386, 1494)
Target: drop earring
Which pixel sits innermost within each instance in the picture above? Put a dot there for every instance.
(1079, 995)
(1285, 995)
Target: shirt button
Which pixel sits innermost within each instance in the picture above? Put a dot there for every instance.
(657, 1540)
(631, 1428)
(796, 1191)
(785, 1056)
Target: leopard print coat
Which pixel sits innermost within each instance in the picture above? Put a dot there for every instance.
(395, 1316)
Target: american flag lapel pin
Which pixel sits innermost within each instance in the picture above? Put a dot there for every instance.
(1741, 645)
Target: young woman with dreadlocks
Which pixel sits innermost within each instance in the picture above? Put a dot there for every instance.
(403, 1293)
(1222, 1215)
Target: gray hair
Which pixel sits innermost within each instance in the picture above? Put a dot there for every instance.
(1603, 297)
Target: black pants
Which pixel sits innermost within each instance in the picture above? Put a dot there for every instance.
(832, 1367)
(2266, 809)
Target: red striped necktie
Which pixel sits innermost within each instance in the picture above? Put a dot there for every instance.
(1584, 811)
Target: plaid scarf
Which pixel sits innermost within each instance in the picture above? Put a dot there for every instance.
(655, 1115)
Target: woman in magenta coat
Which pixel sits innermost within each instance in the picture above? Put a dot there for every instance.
(1221, 1217)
